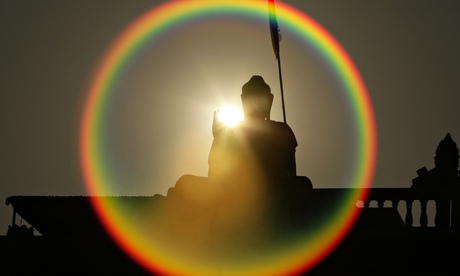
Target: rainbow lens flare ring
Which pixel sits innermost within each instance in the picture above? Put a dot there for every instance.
(307, 252)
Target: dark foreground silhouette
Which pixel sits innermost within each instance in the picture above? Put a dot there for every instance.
(252, 203)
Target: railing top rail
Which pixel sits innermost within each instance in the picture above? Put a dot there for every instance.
(390, 193)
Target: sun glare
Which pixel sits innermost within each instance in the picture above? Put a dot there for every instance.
(229, 115)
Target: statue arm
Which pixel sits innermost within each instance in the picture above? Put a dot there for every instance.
(291, 140)
(217, 126)
(292, 169)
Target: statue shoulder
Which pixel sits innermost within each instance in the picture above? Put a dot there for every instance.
(285, 130)
(281, 126)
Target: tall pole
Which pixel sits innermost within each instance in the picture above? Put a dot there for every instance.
(281, 89)
(276, 37)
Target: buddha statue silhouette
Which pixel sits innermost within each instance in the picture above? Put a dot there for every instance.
(251, 189)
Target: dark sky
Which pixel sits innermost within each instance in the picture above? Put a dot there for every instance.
(406, 51)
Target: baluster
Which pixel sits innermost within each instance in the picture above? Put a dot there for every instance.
(394, 206)
(423, 215)
(409, 220)
(442, 216)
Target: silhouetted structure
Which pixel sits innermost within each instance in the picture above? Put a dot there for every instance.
(387, 239)
(249, 200)
(442, 180)
(258, 155)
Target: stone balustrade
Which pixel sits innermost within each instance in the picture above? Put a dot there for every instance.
(445, 205)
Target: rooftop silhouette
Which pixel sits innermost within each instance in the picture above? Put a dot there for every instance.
(251, 203)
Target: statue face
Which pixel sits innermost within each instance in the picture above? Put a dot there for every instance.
(257, 106)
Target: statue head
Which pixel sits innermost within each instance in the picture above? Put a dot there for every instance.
(257, 99)
(447, 157)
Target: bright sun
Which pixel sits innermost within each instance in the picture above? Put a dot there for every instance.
(229, 115)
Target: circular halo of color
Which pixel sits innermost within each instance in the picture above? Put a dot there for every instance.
(158, 20)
